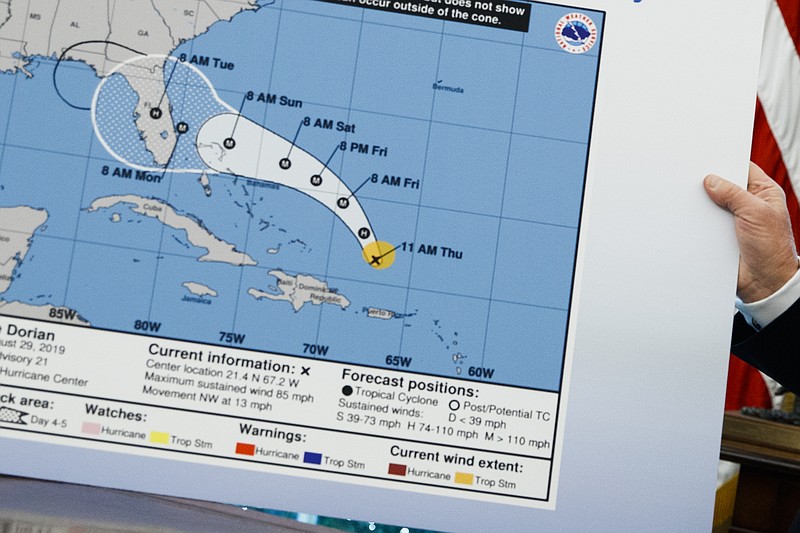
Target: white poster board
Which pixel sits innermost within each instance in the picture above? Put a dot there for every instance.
(434, 263)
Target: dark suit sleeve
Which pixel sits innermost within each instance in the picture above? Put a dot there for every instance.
(775, 350)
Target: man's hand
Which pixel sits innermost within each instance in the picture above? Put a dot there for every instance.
(768, 258)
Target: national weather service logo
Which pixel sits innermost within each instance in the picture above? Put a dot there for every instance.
(576, 33)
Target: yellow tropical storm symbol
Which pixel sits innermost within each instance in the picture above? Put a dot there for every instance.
(379, 254)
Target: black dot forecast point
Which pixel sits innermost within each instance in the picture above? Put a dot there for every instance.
(285, 163)
(364, 233)
(229, 143)
(343, 203)
(156, 113)
(316, 180)
(347, 390)
(182, 127)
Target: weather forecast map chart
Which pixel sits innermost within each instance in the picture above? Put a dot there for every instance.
(393, 188)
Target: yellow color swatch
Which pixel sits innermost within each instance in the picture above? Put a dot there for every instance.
(379, 254)
(465, 479)
(159, 438)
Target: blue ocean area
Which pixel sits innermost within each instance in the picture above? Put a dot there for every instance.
(478, 188)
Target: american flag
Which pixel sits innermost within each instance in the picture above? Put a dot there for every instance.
(776, 149)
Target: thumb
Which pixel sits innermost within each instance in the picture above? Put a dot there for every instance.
(726, 194)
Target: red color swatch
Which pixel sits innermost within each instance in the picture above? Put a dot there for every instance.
(245, 449)
(397, 470)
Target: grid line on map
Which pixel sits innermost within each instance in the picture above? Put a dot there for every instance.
(266, 268)
(371, 22)
(13, 94)
(387, 115)
(88, 158)
(341, 165)
(170, 181)
(502, 207)
(371, 198)
(418, 205)
(423, 30)
(422, 188)
(263, 121)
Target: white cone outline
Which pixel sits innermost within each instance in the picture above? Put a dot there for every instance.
(328, 194)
